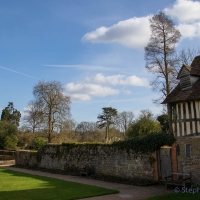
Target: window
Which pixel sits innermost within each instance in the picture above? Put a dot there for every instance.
(188, 150)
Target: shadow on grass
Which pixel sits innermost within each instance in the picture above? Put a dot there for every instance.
(21, 186)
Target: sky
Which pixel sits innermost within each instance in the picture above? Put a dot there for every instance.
(94, 48)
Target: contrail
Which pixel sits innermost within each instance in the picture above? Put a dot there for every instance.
(83, 67)
(116, 96)
(18, 72)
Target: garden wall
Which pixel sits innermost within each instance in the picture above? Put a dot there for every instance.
(189, 164)
(100, 159)
(7, 157)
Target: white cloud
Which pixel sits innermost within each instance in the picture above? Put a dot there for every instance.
(23, 114)
(85, 91)
(27, 108)
(127, 92)
(83, 97)
(119, 80)
(101, 79)
(100, 86)
(133, 33)
(190, 30)
(186, 11)
(135, 81)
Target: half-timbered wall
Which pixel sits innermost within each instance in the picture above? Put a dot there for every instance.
(186, 118)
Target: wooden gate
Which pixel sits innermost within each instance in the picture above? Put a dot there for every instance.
(165, 162)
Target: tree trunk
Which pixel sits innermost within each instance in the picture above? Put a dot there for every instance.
(107, 133)
(50, 126)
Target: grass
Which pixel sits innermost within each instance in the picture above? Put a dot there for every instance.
(21, 186)
(178, 196)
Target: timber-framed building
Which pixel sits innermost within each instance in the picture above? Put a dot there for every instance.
(184, 103)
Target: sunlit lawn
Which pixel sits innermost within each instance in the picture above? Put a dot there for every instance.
(21, 186)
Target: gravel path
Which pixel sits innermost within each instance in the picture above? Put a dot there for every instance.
(125, 191)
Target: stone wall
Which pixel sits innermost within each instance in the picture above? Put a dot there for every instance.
(192, 164)
(7, 157)
(101, 160)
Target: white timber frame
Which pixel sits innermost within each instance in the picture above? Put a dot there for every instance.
(186, 118)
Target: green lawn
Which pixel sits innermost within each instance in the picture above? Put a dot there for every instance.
(177, 196)
(21, 186)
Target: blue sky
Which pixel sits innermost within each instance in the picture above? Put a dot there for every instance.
(94, 48)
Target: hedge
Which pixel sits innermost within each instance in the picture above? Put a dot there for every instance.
(143, 144)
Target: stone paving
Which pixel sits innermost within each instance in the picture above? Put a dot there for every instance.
(125, 191)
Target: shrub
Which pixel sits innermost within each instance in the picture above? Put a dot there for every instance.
(10, 142)
(8, 133)
(39, 142)
(143, 126)
(25, 140)
(148, 143)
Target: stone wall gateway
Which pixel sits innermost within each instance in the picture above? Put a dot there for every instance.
(101, 159)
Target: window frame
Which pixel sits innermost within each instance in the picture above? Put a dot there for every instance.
(188, 150)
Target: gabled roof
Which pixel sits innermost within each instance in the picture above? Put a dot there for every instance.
(195, 66)
(177, 95)
(185, 68)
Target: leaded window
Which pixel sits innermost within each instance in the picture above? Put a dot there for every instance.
(188, 150)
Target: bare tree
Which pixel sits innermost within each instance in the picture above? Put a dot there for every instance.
(159, 53)
(186, 56)
(33, 116)
(86, 127)
(55, 105)
(159, 56)
(68, 125)
(67, 131)
(124, 120)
